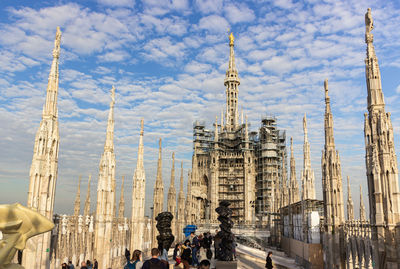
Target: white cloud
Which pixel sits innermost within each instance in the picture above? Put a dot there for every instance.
(84, 31)
(239, 13)
(11, 62)
(118, 3)
(159, 8)
(209, 6)
(115, 56)
(174, 25)
(286, 4)
(278, 64)
(196, 67)
(214, 24)
(161, 49)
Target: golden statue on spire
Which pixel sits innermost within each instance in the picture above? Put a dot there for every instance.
(231, 39)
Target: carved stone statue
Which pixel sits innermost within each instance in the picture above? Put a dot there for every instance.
(369, 22)
(165, 238)
(225, 252)
(17, 224)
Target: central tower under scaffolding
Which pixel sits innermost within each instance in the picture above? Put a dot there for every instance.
(233, 164)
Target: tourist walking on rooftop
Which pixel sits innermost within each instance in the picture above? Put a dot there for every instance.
(195, 248)
(177, 254)
(186, 244)
(70, 265)
(136, 261)
(269, 265)
(83, 265)
(207, 242)
(217, 242)
(89, 265)
(204, 264)
(154, 262)
(186, 259)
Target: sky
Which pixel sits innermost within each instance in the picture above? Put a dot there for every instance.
(167, 60)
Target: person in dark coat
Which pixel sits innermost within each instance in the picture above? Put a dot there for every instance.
(70, 265)
(186, 258)
(154, 262)
(204, 264)
(195, 248)
(177, 254)
(269, 265)
(217, 242)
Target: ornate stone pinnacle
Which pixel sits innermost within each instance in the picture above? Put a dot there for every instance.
(326, 88)
(113, 95)
(57, 42)
(369, 26)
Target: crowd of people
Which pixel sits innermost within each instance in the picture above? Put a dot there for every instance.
(84, 265)
(194, 252)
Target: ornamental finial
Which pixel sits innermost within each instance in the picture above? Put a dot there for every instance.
(326, 87)
(57, 42)
(369, 22)
(231, 39)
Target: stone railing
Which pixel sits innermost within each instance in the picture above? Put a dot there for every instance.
(358, 244)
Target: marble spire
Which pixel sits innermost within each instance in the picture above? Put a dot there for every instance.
(86, 210)
(293, 184)
(332, 192)
(362, 207)
(216, 132)
(44, 167)
(121, 206)
(138, 197)
(171, 201)
(285, 191)
(331, 172)
(158, 197)
(222, 120)
(307, 175)
(381, 162)
(246, 131)
(350, 205)
(77, 205)
(105, 208)
(232, 83)
(180, 215)
(188, 202)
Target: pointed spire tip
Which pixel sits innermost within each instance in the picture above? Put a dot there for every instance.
(57, 42)
(141, 126)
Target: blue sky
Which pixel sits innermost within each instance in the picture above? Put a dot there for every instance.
(167, 60)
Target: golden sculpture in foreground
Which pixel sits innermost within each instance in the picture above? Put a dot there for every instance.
(17, 224)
